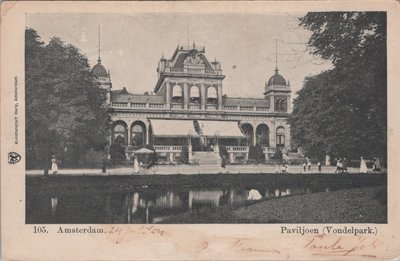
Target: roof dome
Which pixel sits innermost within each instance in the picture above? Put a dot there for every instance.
(276, 79)
(98, 70)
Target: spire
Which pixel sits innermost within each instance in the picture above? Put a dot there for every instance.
(188, 31)
(276, 56)
(99, 60)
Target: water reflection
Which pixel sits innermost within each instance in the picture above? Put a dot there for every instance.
(144, 205)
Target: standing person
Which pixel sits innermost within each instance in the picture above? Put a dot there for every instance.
(135, 164)
(363, 166)
(285, 168)
(377, 164)
(103, 165)
(223, 164)
(304, 166)
(344, 164)
(319, 166)
(54, 166)
(309, 164)
(338, 164)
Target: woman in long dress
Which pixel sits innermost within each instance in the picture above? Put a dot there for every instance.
(363, 166)
(54, 167)
(136, 164)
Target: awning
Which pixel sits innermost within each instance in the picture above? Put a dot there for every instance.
(221, 129)
(212, 93)
(173, 128)
(194, 92)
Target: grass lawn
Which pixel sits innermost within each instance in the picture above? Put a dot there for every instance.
(358, 205)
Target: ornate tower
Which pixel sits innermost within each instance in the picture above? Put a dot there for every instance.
(277, 90)
(103, 77)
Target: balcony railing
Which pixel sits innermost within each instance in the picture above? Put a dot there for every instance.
(179, 106)
(138, 105)
(237, 149)
(194, 107)
(176, 106)
(156, 106)
(231, 108)
(247, 108)
(192, 70)
(167, 148)
(120, 104)
(211, 107)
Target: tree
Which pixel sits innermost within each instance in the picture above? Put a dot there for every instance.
(343, 110)
(65, 108)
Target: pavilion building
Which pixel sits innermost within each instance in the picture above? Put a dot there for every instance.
(188, 108)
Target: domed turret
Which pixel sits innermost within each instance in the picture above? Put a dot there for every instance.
(99, 70)
(276, 79)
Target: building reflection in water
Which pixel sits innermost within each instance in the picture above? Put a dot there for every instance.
(145, 205)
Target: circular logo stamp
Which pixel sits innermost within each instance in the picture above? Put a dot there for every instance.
(13, 157)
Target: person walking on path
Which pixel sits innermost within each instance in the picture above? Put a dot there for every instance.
(54, 166)
(319, 166)
(304, 166)
(309, 164)
(363, 166)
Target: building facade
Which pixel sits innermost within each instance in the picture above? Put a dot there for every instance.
(188, 108)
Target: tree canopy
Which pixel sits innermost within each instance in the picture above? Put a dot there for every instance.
(65, 108)
(342, 111)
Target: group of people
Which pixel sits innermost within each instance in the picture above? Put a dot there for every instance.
(307, 165)
(341, 164)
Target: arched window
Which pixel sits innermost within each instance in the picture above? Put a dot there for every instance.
(120, 134)
(138, 134)
(194, 94)
(247, 130)
(212, 95)
(280, 137)
(262, 133)
(177, 94)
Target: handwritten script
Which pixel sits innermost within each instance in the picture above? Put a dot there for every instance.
(234, 245)
(341, 246)
(117, 234)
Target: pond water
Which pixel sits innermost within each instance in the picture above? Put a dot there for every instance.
(144, 204)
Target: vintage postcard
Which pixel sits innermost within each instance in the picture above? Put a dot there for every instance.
(192, 130)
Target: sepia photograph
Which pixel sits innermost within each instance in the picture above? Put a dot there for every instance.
(179, 118)
(199, 130)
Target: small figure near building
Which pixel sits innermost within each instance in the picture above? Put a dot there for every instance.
(223, 164)
(285, 168)
(377, 164)
(136, 167)
(54, 166)
(363, 166)
(103, 165)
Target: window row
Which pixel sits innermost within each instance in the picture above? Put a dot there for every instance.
(194, 94)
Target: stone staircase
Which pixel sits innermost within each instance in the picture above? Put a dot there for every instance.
(207, 157)
(294, 157)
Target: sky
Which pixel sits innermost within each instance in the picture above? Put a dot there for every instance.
(245, 44)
